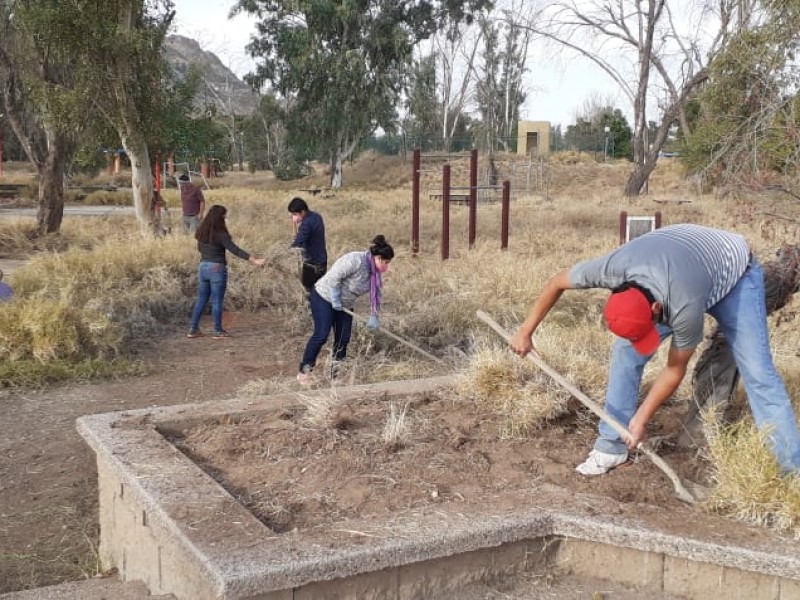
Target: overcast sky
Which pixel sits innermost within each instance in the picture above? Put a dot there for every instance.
(555, 90)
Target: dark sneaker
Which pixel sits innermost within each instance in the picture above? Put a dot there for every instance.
(218, 335)
(195, 334)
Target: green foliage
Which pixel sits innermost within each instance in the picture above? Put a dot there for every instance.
(341, 64)
(589, 134)
(422, 104)
(265, 134)
(106, 198)
(746, 120)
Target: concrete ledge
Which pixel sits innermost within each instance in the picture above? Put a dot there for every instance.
(165, 522)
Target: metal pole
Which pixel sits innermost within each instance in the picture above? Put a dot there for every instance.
(473, 196)
(623, 227)
(445, 212)
(158, 172)
(504, 218)
(415, 202)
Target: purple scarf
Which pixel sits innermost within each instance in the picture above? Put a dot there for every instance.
(375, 284)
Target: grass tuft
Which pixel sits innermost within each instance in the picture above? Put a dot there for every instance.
(749, 485)
(396, 430)
(514, 388)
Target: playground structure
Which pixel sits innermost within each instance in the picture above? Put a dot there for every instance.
(529, 175)
(465, 195)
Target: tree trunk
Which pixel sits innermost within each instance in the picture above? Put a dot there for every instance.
(640, 176)
(51, 183)
(336, 171)
(141, 176)
(343, 152)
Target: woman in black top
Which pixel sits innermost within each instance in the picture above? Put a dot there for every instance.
(213, 240)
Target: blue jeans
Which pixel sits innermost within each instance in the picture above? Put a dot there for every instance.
(212, 280)
(325, 319)
(742, 316)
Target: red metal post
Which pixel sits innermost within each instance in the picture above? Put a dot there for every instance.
(658, 219)
(158, 172)
(445, 212)
(623, 226)
(473, 196)
(415, 164)
(504, 215)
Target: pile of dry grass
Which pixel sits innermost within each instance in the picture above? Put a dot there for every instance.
(514, 388)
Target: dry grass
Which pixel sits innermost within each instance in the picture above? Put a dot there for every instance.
(749, 485)
(321, 410)
(514, 388)
(396, 429)
(127, 287)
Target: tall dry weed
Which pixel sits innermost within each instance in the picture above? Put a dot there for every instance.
(748, 482)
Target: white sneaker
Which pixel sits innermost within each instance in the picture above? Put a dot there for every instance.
(305, 377)
(599, 463)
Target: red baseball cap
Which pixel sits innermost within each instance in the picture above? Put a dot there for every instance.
(628, 315)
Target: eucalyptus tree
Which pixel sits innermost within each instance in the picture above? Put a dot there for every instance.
(125, 58)
(422, 105)
(341, 64)
(456, 48)
(500, 91)
(66, 63)
(43, 99)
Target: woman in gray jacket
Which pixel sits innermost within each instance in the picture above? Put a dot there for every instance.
(352, 275)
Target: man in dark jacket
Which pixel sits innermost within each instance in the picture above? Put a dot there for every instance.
(310, 238)
(192, 202)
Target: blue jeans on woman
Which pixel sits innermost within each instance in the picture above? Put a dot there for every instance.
(325, 319)
(742, 316)
(212, 281)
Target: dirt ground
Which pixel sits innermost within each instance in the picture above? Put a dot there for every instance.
(292, 474)
(48, 477)
(323, 463)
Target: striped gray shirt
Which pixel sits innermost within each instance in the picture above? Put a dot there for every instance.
(687, 268)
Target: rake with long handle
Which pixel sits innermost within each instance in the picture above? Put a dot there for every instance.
(681, 490)
(397, 338)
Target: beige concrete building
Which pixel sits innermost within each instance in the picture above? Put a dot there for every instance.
(533, 138)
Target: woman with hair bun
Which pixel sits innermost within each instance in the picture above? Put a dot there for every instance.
(351, 276)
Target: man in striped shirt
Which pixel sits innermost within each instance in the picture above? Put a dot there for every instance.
(663, 283)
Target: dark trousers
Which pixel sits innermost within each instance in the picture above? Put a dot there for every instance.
(325, 319)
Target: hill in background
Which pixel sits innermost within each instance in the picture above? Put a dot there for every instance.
(221, 88)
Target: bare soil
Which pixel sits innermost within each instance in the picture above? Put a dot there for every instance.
(295, 473)
(48, 477)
